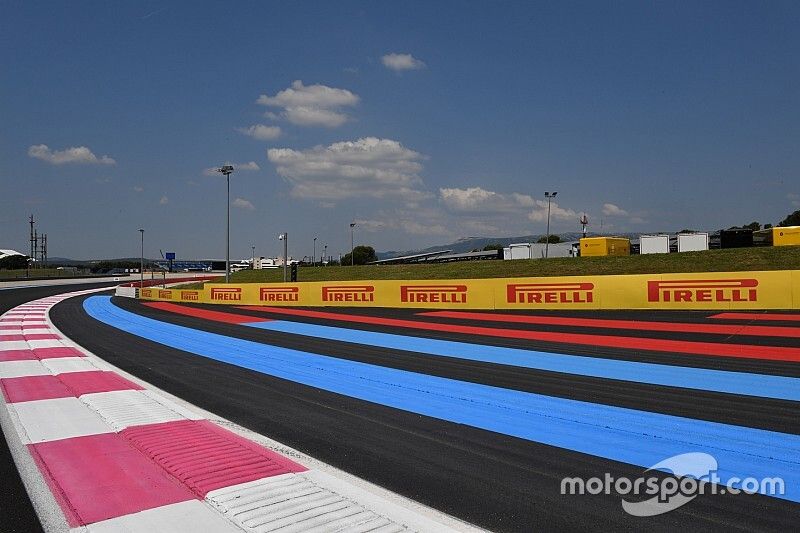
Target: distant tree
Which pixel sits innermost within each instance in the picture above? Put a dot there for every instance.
(14, 262)
(554, 239)
(103, 266)
(361, 254)
(791, 220)
(767, 226)
(688, 231)
(493, 246)
(755, 226)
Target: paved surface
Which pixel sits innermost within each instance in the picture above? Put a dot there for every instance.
(16, 511)
(157, 464)
(495, 478)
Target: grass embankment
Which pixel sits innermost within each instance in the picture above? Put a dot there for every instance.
(35, 273)
(731, 260)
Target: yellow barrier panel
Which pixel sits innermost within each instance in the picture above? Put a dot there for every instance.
(718, 290)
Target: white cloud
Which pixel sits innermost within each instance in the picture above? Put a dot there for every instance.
(367, 167)
(164, 200)
(261, 132)
(138, 189)
(315, 116)
(251, 165)
(237, 167)
(611, 210)
(474, 200)
(241, 203)
(79, 155)
(404, 224)
(400, 62)
(539, 213)
(484, 211)
(311, 105)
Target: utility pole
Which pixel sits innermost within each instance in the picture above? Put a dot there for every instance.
(227, 170)
(547, 242)
(314, 255)
(32, 257)
(285, 238)
(352, 255)
(253, 264)
(35, 245)
(324, 254)
(44, 250)
(141, 263)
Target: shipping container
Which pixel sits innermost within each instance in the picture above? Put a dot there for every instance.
(736, 238)
(786, 236)
(601, 246)
(692, 242)
(654, 244)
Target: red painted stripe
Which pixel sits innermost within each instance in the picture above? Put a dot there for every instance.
(21, 319)
(718, 329)
(57, 351)
(30, 388)
(215, 316)
(757, 316)
(12, 338)
(25, 326)
(205, 456)
(99, 477)
(17, 355)
(40, 336)
(29, 337)
(609, 341)
(81, 383)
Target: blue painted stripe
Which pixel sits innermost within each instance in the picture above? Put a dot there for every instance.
(627, 435)
(761, 385)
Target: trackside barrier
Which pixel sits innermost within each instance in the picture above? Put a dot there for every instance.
(718, 290)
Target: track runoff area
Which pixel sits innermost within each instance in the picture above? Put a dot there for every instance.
(511, 421)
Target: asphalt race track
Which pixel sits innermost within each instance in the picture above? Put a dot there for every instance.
(16, 511)
(482, 416)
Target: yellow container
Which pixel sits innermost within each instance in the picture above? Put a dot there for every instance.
(602, 246)
(786, 236)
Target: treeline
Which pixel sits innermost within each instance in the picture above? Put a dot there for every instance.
(104, 266)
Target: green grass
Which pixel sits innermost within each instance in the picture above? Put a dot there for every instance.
(731, 260)
(35, 273)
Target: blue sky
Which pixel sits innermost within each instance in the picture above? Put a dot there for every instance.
(423, 121)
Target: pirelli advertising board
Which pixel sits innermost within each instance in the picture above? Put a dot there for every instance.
(725, 290)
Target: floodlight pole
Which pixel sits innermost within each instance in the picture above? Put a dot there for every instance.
(314, 255)
(141, 263)
(285, 238)
(227, 170)
(549, 197)
(253, 264)
(352, 249)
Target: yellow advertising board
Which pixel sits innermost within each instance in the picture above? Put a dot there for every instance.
(718, 290)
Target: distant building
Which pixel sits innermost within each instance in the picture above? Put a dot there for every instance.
(8, 253)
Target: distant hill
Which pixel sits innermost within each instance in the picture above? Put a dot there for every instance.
(470, 243)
